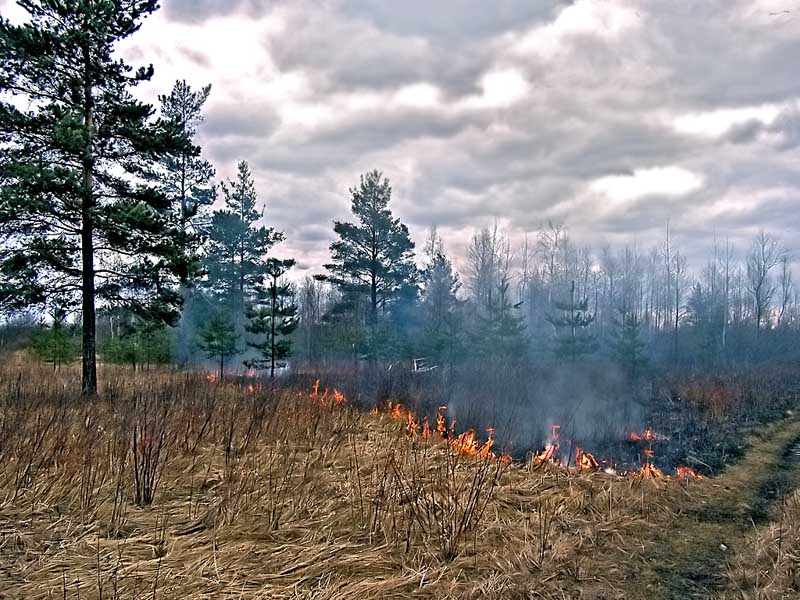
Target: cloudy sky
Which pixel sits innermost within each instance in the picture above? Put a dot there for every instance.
(611, 117)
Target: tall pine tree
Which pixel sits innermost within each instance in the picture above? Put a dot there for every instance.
(186, 179)
(186, 176)
(373, 258)
(273, 318)
(237, 245)
(441, 314)
(79, 222)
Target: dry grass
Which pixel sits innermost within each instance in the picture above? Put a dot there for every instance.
(169, 486)
(769, 567)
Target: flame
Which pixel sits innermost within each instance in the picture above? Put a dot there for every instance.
(327, 399)
(549, 452)
(441, 424)
(650, 471)
(585, 461)
(250, 388)
(412, 425)
(467, 443)
(687, 473)
(647, 435)
(470, 444)
(211, 377)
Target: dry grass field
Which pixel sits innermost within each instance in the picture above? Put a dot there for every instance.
(172, 486)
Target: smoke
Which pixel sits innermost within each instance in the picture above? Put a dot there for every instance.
(593, 405)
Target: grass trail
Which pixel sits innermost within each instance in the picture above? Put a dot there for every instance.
(688, 556)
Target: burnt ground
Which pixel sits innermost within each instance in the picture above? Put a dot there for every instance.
(687, 556)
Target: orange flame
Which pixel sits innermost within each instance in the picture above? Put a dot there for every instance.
(687, 473)
(326, 399)
(585, 461)
(467, 443)
(211, 377)
(648, 435)
(650, 471)
(549, 452)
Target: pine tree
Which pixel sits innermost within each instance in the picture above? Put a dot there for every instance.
(237, 247)
(705, 313)
(55, 343)
(571, 327)
(441, 308)
(273, 318)
(628, 347)
(185, 178)
(218, 339)
(139, 343)
(373, 258)
(497, 329)
(78, 220)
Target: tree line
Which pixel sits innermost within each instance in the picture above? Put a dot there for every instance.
(113, 226)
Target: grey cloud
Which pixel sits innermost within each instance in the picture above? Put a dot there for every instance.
(240, 120)
(595, 107)
(785, 129)
(744, 133)
(197, 11)
(342, 54)
(370, 132)
(787, 125)
(313, 233)
(452, 20)
(195, 56)
(776, 213)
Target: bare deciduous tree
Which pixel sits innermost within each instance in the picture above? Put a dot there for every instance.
(765, 254)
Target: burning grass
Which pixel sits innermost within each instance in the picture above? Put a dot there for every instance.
(170, 485)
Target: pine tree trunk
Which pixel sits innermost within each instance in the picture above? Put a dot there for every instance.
(183, 327)
(89, 364)
(272, 328)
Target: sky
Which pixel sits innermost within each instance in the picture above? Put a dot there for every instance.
(609, 117)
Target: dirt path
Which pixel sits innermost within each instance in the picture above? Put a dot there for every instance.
(686, 557)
